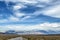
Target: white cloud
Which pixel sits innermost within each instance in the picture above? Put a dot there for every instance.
(18, 6)
(32, 2)
(47, 24)
(45, 1)
(26, 1)
(43, 26)
(26, 17)
(16, 11)
(13, 19)
(29, 1)
(19, 14)
(53, 11)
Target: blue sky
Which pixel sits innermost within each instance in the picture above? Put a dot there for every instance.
(29, 15)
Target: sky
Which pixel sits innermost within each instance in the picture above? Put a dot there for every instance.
(25, 15)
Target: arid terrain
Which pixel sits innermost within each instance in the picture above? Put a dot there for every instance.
(30, 37)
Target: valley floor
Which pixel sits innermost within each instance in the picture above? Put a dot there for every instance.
(28, 37)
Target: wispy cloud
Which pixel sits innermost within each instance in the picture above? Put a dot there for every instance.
(53, 11)
(18, 6)
(13, 19)
(32, 11)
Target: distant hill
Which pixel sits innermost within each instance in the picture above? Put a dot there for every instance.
(35, 32)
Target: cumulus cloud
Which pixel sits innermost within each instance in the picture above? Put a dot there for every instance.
(43, 26)
(46, 26)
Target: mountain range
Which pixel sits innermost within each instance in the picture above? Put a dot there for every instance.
(36, 32)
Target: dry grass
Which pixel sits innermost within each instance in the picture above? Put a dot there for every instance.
(30, 37)
(5, 36)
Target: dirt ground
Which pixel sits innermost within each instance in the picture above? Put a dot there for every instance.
(29, 37)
